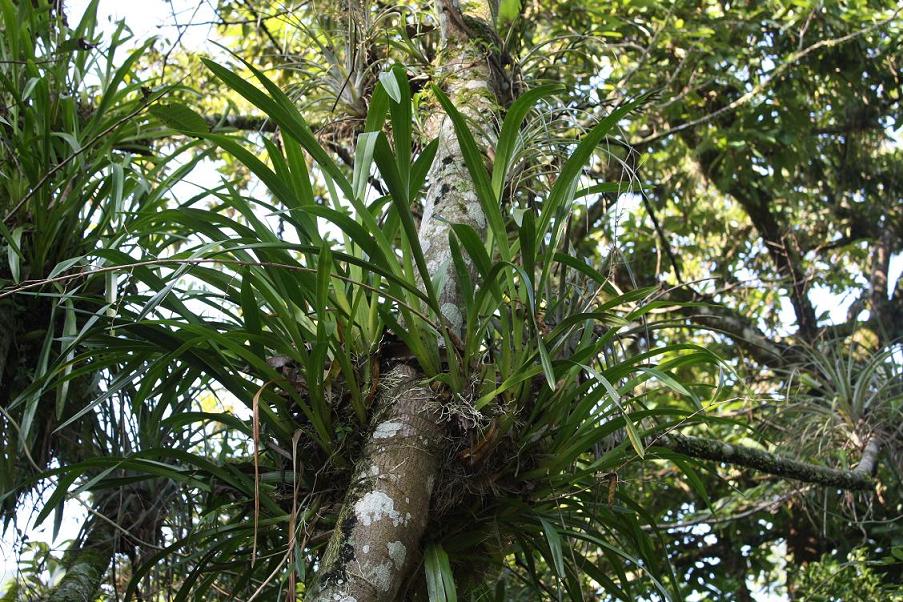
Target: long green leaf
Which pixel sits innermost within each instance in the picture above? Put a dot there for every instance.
(508, 137)
(440, 582)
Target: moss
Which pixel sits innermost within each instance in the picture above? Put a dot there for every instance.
(84, 572)
(766, 462)
(339, 552)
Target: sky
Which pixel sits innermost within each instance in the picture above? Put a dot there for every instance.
(148, 18)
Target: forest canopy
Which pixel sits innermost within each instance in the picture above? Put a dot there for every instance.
(451, 299)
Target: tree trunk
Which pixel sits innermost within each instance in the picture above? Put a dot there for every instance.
(378, 536)
(378, 531)
(881, 308)
(86, 564)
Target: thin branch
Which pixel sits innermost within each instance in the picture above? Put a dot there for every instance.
(32, 284)
(711, 519)
(252, 21)
(262, 24)
(720, 318)
(662, 236)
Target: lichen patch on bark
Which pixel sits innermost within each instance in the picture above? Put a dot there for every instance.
(397, 553)
(375, 506)
(386, 429)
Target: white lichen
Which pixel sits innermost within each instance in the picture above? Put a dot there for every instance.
(375, 506)
(475, 212)
(397, 553)
(380, 575)
(439, 262)
(387, 429)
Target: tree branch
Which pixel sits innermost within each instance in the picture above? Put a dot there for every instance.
(738, 327)
(869, 460)
(242, 122)
(86, 564)
(769, 463)
(779, 241)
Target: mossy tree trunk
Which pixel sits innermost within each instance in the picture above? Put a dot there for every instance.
(86, 564)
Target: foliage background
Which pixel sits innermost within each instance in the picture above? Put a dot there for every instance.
(820, 185)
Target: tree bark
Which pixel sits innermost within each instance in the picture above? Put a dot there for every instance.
(869, 461)
(881, 308)
(378, 536)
